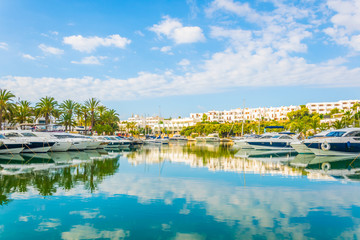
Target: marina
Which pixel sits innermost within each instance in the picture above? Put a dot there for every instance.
(203, 190)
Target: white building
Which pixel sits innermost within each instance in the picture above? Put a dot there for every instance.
(326, 107)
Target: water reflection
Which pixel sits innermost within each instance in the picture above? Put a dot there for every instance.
(47, 172)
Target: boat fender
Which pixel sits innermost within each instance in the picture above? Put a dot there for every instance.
(325, 146)
(270, 143)
(325, 166)
(348, 145)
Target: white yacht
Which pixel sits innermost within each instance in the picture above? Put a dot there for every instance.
(34, 144)
(61, 145)
(213, 137)
(103, 141)
(160, 140)
(280, 141)
(8, 146)
(344, 141)
(76, 143)
(178, 137)
(241, 142)
(301, 148)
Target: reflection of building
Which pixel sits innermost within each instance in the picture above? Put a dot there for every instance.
(195, 158)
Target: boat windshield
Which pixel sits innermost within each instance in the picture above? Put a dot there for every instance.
(335, 134)
(61, 136)
(10, 135)
(2, 136)
(265, 137)
(27, 134)
(275, 136)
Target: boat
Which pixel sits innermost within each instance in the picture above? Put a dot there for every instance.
(344, 141)
(178, 137)
(213, 137)
(77, 144)
(301, 148)
(241, 142)
(61, 145)
(274, 141)
(32, 143)
(8, 146)
(160, 140)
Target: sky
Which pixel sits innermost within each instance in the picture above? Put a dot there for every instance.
(176, 57)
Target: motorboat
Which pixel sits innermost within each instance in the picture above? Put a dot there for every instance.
(77, 144)
(61, 145)
(241, 142)
(92, 144)
(103, 141)
(8, 146)
(33, 143)
(160, 140)
(301, 148)
(178, 137)
(213, 137)
(276, 141)
(344, 141)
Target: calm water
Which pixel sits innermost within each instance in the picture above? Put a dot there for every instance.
(178, 192)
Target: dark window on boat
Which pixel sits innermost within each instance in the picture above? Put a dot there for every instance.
(285, 137)
(353, 134)
(335, 134)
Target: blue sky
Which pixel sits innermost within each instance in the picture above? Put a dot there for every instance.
(184, 56)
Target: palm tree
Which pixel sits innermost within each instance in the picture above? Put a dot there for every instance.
(24, 112)
(85, 112)
(92, 105)
(6, 104)
(338, 124)
(47, 108)
(314, 122)
(67, 109)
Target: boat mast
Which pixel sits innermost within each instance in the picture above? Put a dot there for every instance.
(243, 119)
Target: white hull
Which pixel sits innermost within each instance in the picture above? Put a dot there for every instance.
(92, 145)
(78, 146)
(60, 147)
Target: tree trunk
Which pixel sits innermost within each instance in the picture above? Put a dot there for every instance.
(92, 122)
(1, 119)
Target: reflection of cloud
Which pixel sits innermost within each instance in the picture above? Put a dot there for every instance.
(1, 228)
(88, 232)
(188, 236)
(88, 214)
(49, 223)
(25, 218)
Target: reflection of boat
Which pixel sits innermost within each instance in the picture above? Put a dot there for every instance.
(302, 160)
(246, 153)
(344, 141)
(60, 157)
(36, 157)
(10, 157)
(343, 167)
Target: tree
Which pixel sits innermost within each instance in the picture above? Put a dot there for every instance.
(24, 112)
(68, 108)
(6, 104)
(46, 108)
(204, 118)
(92, 105)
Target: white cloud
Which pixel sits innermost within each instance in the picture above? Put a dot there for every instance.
(91, 60)
(346, 23)
(28, 56)
(173, 29)
(87, 214)
(184, 62)
(3, 45)
(89, 44)
(50, 50)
